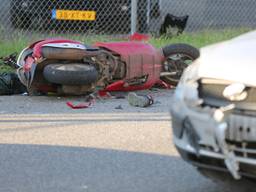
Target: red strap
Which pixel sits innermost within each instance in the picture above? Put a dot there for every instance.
(164, 85)
(79, 106)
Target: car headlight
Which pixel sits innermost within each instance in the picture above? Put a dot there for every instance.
(235, 92)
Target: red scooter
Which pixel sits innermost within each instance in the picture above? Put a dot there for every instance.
(70, 67)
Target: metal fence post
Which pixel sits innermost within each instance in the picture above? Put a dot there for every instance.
(134, 16)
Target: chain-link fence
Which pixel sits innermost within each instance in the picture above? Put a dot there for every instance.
(122, 16)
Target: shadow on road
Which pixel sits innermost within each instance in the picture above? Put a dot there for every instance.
(73, 169)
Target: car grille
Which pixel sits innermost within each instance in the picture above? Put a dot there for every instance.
(241, 128)
(244, 149)
(241, 133)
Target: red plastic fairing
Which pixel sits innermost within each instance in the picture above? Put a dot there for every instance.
(28, 64)
(121, 86)
(141, 59)
(128, 48)
(37, 47)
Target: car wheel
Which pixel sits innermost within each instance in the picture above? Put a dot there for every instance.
(70, 74)
(177, 58)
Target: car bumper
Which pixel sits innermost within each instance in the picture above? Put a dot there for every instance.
(215, 162)
(224, 145)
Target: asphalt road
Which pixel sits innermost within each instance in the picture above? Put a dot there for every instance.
(48, 147)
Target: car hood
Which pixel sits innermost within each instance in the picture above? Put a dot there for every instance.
(233, 60)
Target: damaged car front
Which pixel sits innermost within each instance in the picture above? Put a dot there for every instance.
(214, 109)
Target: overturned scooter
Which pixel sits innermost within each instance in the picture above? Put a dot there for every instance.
(72, 68)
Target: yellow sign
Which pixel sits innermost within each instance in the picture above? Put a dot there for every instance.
(75, 15)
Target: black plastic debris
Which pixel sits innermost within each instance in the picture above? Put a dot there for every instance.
(10, 84)
(10, 60)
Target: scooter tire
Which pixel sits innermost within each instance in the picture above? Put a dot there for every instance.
(184, 49)
(70, 74)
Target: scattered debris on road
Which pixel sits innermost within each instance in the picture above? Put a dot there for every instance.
(10, 60)
(119, 107)
(82, 105)
(140, 100)
(10, 84)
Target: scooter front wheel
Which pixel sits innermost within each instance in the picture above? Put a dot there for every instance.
(70, 74)
(177, 58)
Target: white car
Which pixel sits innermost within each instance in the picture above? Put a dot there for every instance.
(214, 110)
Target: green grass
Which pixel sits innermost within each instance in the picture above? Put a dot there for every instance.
(198, 39)
(4, 68)
(202, 38)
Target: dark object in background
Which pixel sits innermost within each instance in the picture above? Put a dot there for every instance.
(111, 16)
(10, 84)
(173, 22)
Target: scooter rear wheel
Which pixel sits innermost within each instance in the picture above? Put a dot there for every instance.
(177, 58)
(70, 74)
